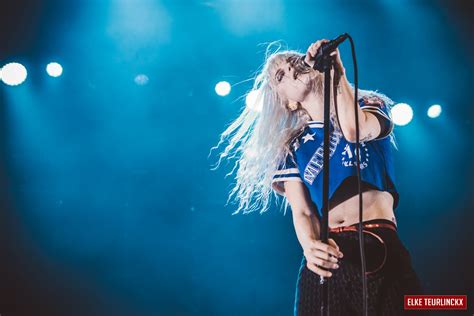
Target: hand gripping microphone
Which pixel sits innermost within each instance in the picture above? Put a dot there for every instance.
(325, 49)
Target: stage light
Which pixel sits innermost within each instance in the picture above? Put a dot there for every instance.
(54, 69)
(434, 111)
(402, 114)
(252, 102)
(223, 88)
(14, 74)
(141, 79)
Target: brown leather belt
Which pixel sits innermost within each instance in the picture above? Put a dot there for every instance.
(354, 227)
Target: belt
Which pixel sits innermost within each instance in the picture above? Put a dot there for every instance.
(354, 227)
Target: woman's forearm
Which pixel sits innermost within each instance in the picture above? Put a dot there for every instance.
(306, 227)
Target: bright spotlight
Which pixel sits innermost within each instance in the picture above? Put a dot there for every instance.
(402, 114)
(141, 79)
(222, 88)
(14, 74)
(54, 69)
(252, 101)
(434, 111)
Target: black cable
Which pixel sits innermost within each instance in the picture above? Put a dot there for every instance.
(361, 235)
(360, 229)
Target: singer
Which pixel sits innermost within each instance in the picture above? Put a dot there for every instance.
(280, 149)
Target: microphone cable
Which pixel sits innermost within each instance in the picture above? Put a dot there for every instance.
(360, 228)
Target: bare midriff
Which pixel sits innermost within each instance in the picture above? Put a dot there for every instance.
(376, 205)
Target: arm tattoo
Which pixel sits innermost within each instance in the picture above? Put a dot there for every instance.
(366, 138)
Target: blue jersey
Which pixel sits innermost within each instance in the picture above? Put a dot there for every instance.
(305, 162)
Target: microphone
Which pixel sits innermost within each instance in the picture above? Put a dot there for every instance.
(325, 49)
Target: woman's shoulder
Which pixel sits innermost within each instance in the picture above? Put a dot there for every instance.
(294, 141)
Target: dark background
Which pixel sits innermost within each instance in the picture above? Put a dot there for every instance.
(108, 204)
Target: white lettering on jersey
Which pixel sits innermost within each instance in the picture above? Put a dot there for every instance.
(315, 164)
(348, 156)
(347, 151)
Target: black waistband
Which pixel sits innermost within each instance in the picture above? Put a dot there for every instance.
(379, 220)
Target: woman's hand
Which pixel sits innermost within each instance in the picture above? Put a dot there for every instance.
(321, 255)
(313, 50)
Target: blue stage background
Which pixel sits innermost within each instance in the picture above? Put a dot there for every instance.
(108, 204)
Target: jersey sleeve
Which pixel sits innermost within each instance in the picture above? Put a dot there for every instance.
(377, 106)
(286, 171)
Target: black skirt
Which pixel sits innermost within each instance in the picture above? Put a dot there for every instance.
(389, 271)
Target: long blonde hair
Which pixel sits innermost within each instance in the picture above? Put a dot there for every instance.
(260, 140)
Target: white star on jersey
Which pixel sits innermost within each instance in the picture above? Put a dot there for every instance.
(307, 137)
